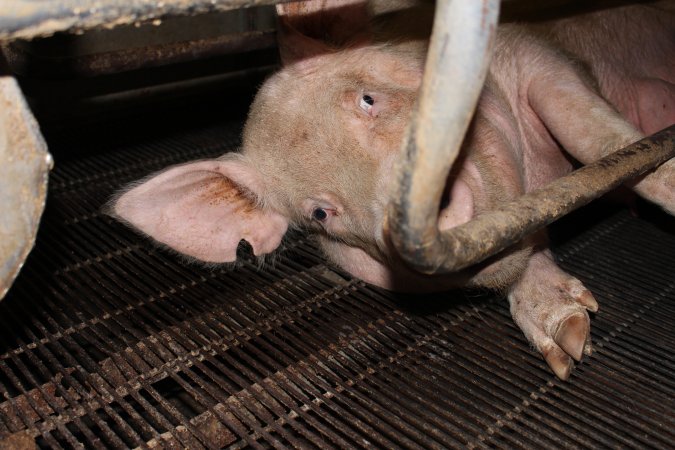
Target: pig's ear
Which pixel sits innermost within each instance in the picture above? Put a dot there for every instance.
(310, 28)
(296, 48)
(203, 209)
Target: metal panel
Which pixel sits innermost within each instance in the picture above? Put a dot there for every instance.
(24, 168)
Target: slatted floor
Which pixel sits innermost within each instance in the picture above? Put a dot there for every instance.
(108, 342)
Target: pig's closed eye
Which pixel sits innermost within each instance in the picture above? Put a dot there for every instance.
(366, 103)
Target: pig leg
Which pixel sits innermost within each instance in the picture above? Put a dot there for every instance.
(550, 307)
(589, 128)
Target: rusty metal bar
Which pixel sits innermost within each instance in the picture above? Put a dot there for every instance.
(27, 19)
(125, 48)
(22, 59)
(140, 58)
(456, 67)
(495, 230)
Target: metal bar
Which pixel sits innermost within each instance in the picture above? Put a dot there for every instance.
(187, 371)
(27, 19)
(104, 393)
(376, 422)
(456, 67)
(511, 367)
(430, 251)
(281, 344)
(136, 58)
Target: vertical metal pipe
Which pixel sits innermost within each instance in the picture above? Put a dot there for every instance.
(456, 67)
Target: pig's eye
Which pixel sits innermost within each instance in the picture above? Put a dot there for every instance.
(366, 103)
(319, 214)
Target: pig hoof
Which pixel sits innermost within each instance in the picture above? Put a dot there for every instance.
(559, 329)
(580, 294)
(551, 308)
(571, 335)
(558, 361)
(559, 357)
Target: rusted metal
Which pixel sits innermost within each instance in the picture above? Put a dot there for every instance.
(18, 441)
(125, 48)
(24, 168)
(106, 342)
(141, 57)
(456, 67)
(27, 19)
(493, 231)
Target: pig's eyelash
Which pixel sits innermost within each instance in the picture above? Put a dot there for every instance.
(366, 103)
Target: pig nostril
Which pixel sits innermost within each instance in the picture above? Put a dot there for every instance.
(319, 214)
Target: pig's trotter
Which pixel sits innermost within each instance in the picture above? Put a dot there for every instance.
(550, 307)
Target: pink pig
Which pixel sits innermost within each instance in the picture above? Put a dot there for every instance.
(324, 133)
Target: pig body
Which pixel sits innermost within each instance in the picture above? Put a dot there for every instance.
(324, 133)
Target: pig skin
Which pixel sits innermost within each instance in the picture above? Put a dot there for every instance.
(323, 135)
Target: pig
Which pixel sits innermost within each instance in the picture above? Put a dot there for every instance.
(323, 135)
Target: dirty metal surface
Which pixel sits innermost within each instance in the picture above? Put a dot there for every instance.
(144, 57)
(109, 342)
(126, 48)
(24, 169)
(27, 19)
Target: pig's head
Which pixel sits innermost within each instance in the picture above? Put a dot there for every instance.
(318, 153)
(323, 133)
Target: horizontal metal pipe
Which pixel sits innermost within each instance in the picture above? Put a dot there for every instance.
(489, 233)
(23, 60)
(28, 19)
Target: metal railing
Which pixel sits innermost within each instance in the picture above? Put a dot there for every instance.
(459, 55)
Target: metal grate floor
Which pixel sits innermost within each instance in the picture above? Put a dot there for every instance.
(108, 342)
